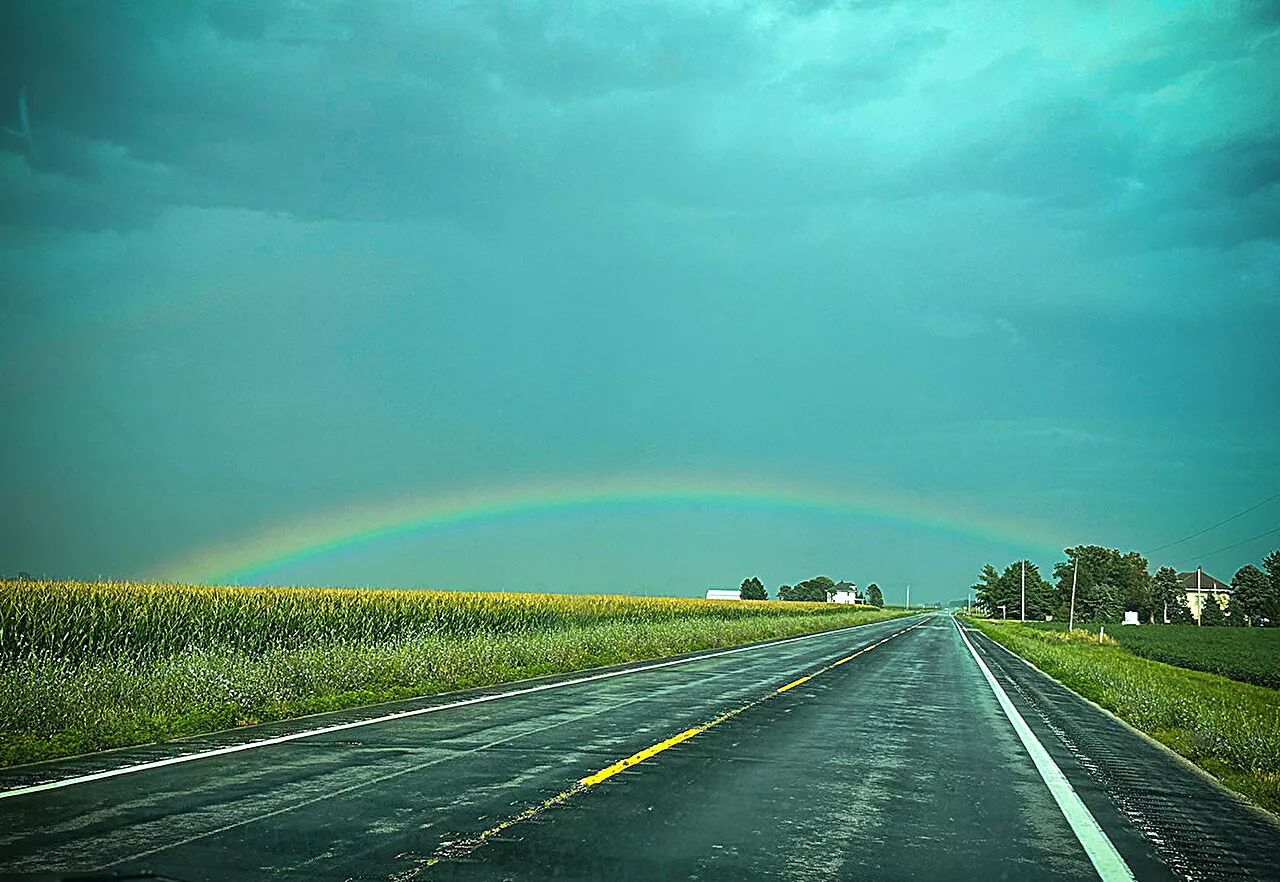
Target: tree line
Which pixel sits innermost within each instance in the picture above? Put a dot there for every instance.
(819, 589)
(1108, 583)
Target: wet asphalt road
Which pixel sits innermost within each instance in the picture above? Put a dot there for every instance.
(895, 764)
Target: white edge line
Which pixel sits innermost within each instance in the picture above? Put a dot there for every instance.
(1106, 860)
(1168, 751)
(340, 727)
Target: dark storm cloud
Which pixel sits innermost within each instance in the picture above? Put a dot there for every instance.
(383, 110)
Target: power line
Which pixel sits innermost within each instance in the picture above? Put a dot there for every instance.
(1216, 526)
(1227, 547)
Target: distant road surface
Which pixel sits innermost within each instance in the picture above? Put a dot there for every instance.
(899, 757)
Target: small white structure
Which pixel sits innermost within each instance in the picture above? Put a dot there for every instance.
(847, 592)
(1130, 617)
(720, 594)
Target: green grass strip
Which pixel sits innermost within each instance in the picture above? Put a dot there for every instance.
(89, 667)
(1229, 729)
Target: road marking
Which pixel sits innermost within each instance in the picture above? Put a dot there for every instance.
(1106, 860)
(462, 847)
(400, 715)
(794, 683)
(416, 767)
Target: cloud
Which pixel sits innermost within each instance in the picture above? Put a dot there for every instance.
(387, 109)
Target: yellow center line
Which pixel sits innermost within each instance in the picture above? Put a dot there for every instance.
(462, 847)
(605, 774)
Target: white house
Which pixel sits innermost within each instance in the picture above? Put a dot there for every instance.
(1201, 588)
(720, 594)
(847, 592)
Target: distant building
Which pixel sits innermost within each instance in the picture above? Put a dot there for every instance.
(1200, 586)
(847, 592)
(720, 594)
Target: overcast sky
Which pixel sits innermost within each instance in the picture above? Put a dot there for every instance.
(262, 261)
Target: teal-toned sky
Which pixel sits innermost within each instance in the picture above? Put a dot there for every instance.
(263, 265)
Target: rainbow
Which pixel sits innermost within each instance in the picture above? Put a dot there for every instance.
(313, 537)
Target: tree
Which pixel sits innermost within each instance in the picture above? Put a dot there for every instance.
(1180, 611)
(753, 589)
(1211, 611)
(1168, 597)
(1040, 594)
(1108, 582)
(816, 590)
(1249, 590)
(998, 589)
(988, 590)
(1235, 618)
(874, 596)
(821, 585)
(1271, 603)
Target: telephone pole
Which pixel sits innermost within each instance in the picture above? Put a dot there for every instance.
(1024, 591)
(1071, 621)
(1199, 599)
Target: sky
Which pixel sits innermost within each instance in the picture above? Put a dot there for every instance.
(641, 298)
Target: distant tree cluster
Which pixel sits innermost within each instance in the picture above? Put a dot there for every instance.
(819, 589)
(1107, 583)
(998, 589)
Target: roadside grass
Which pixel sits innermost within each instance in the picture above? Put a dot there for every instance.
(1228, 728)
(92, 666)
(1250, 655)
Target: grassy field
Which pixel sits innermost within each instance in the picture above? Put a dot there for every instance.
(89, 666)
(1230, 729)
(1250, 655)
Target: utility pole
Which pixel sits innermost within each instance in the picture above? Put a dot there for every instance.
(908, 595)
(1071, 621)
(1024, 591)
(1199, 599)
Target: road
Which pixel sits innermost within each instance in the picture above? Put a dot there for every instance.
(894, 759)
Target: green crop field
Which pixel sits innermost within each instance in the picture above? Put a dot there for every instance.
(89, 666)
(1250, 655)
(1229, 728)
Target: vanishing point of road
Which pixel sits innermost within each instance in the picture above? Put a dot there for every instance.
(909, 749)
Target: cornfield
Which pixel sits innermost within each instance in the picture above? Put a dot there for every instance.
(87, 666)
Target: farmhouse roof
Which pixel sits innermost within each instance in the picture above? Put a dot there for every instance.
(1207, 582)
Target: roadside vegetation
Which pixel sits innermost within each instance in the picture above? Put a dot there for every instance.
(90, 666)
(1231, 729)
